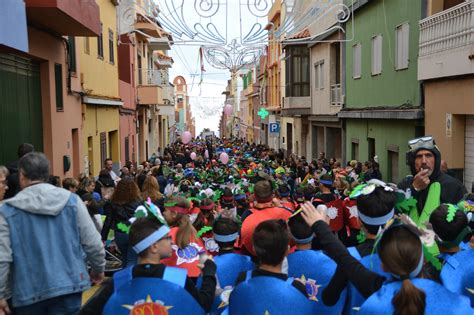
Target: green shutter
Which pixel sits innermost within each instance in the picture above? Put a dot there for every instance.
(58, 82)
(20, 106)
(72, 53)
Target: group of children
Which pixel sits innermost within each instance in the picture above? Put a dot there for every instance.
(271, 250)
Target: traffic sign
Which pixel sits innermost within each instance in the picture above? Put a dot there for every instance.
(274, 127)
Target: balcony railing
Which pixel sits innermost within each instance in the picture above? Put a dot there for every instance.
(336, 95)
(446, 42)
(447, 29)
(151, 77)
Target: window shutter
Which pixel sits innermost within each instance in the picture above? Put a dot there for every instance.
(406, 43)
(402, 46)
(357, 56)
(377, 54)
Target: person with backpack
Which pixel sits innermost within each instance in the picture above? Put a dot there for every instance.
(125, 200)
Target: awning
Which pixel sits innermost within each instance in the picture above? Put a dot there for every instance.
(101, 101)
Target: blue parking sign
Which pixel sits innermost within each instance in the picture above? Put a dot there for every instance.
(274, 127)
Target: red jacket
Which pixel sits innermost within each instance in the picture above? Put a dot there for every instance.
(258, 216)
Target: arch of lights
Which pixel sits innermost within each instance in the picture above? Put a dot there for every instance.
(233, 33)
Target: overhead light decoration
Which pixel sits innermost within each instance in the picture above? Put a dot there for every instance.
(233, 34)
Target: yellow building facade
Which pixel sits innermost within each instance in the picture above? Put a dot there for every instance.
(100, 100)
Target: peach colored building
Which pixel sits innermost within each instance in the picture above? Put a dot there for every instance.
(144, 84)
(446, 67)
(42, 85)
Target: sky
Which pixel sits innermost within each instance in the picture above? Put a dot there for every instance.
(205, 88)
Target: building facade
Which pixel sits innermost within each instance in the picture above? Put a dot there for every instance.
(101, 101)
(40, 98)
(446, 68)
(383, 103)
(274, 77)
(183, 114)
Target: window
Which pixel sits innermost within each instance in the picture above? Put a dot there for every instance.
(111, 47)
(392, 167)
(356, 61)
(319, 75)
(377, 54)
(86, 45)
(355, 149)
(100, 44)
(72, 53)
(103, 146)
(402, 46)
(297, 71)
(371, 148)
(127, 149)
(58, 80)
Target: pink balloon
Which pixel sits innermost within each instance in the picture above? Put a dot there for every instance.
(228, 109)
(186, 137)
(193, 156)
(206, 154)
(224, 158)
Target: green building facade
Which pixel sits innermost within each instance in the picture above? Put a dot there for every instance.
(383, 105)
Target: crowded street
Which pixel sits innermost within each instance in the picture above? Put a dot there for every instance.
(236, 157)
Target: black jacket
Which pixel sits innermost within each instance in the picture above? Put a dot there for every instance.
(117, 214)
(452, 190)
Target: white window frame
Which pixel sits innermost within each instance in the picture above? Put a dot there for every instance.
(402, 46)
(319, 75)
(376, 58)
(357, 61)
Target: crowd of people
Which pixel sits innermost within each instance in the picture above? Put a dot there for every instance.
(223, 226)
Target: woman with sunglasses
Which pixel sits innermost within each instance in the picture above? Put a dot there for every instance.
(401, 253)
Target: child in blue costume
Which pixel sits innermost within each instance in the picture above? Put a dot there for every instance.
(149, 266)
(229, 264)
(313, 265)
(451, 230)
(270, 240)
(374, 211)
(401, 252)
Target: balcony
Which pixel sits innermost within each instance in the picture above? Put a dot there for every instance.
(297, 105)
(147, 26)
(13, 28)
(65, 17)
(446, 45)
(149, 88)
(151, 77)
(162, 43)
(336, 95)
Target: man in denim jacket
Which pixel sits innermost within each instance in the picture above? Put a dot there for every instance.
(44, 233)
